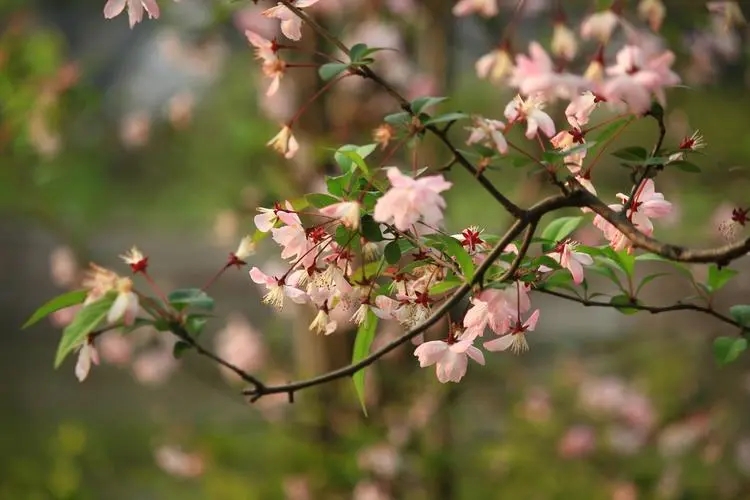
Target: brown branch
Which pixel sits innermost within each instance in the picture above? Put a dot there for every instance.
(680, 306)
(721, 255)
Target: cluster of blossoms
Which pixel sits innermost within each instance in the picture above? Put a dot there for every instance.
(368, 249)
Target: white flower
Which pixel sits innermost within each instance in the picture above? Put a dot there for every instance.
(86, 355)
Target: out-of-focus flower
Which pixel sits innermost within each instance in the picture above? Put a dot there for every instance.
(136, 8)
(496, 65)
(383, 134)
(136, 260)
(115, 348)
(599, 25)
(135, 129)
(154, 366)
(486, 8)
(177, 462)
(297, 488)
(285, 143)
(382, 459)
(125, 306)
(410, 200)
(580, 108)
(694, 142)
(564, 43)
(653, 12)
(245, 249)
(291, 25)
(577, 442)
(63, 267)
(535, 74)
(180, 109)
(347, 212)
(241, 345)
(729, 13)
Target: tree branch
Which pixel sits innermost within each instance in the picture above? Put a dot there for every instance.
(652, 309)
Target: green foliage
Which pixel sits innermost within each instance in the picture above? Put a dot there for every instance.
(87, 319)
(190, 297)
(559, 229)
(728, 349)
(60, 302)
(362, 343)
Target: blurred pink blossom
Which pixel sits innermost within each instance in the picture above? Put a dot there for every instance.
(135, 129)
(154, 366)
(382, 459)
(175, 461)
(577, 442)
(115, 348)
(241, 345)
(296, 488)
(63, 267)
(369, 490)
(62, 317)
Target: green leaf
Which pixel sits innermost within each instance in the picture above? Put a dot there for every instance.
(195, 323)
(717, 278)
(400, 118)
(320, 200)
(608, 131)
(447, 117)
(370, 229)
(337, 185)
(455, 249)
(392, 252)
(190, 297)
(559, 229)
(180, 348)
(741, 314)
(621, 303)
(727, 349)
(421, 103)
(365, 336)
(329, 71)
(648, 279)
(685, 166)
(87, 319)
(625, 260)
(60, 302)
(631, 153)
(358, 51)
(445, 286)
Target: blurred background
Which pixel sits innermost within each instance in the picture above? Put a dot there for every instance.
(156, 136)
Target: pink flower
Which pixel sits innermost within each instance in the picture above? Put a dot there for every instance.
(113, 8)
(648, 204)
(291, 25)
(565, 255)
(516, 338)
(241, 345)
(535, 74)
(495, 66)
(599, 25)
(489, 132)
(486, 8)
(495, 308)
(86, 355)
(278, 288)
(634, 79)
(451, 359)
(346, 211)
(292, 240)
(125, 306)
(580, 108)
(268, 217)
(284, 143)
(530, 110)
(410, 200)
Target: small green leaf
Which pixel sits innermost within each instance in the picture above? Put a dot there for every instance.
(421, 103)
(320, 200)
(329, 71)
(392, 252)
(337, 185)
(685, 166)
(453, 247)
(358, 51)
(648, 279)
(60, 302)
(625, 260)
(370, 229)
(195, 323)
(559, 229)
(447, 117)
(728, 349)
(400, 118)
(621, 303)
(180, 347)
(190, 297)
(608, 131)
(445, 286)
(741, 314)
(87, 319)
(365, 336)
(631, 153)
(717, 278)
